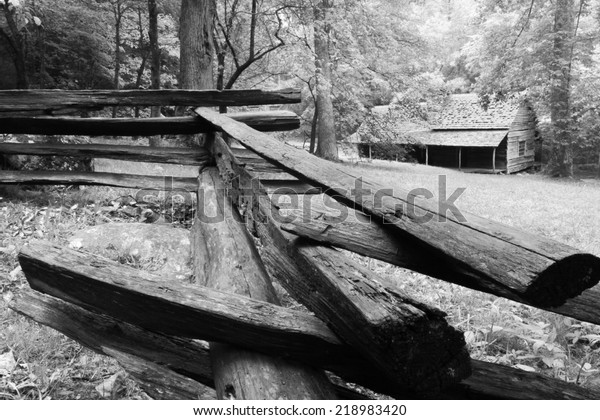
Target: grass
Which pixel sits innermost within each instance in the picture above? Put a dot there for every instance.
(496, 329)
(50, 366)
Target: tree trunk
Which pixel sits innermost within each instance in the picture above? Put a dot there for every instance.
(144, 53)
(196, 50)
(561, 148)
(598, 161)
(196, 30)
(154, 53)
(16, 44)
(117, 12)
(326, 147)
(313, 130)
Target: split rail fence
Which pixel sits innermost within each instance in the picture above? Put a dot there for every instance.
(227, 330)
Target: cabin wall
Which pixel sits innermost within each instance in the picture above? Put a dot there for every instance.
(521, 140)
(501, 155)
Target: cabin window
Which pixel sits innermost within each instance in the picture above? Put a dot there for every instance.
(522, 148)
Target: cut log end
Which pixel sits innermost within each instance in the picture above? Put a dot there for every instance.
(565, 279)
(437, 357)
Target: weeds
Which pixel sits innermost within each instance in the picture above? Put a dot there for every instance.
(49, 365)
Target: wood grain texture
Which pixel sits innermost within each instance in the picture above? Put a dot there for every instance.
(50, 100)
(492, 381)
(230, 262)
(159, 382)
(100, 332)
(178, 155)
(98, 178)
(543, 270)
(357, 233)
(188, 311)
(103, 334)
(350, 299)
(262, 121)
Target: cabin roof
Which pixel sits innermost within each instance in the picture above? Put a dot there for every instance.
(465, 112)
(462, 138)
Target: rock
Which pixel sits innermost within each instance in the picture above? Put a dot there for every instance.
(161, 249)
(7, 363)
(108, 388)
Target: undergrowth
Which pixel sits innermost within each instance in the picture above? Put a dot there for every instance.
(47, 365)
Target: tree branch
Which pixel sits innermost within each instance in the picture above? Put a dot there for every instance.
(524, 24)
(253, 58)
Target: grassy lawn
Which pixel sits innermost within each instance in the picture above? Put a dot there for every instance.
(565, 210)
(51, 366)
(497, 329)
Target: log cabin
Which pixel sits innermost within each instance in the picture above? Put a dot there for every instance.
(470, 137)
(465, 135)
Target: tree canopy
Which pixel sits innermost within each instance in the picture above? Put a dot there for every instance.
(348, 56)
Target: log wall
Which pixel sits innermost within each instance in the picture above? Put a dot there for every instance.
(521, 140)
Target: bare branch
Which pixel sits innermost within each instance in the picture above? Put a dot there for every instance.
(524, 23)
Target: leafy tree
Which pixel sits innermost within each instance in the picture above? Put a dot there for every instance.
(246, 34)
(540, 49)
(17, 20)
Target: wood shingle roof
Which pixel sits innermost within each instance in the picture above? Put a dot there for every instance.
(460, 138)
(465, 112)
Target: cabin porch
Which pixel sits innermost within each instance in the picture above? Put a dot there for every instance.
(467, 159)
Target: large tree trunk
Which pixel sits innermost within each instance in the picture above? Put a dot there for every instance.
(326, 147)
(561, 151)
(154, 51)
(196, 35)
(16, 44)
(118, 15)
(154, 62)
(196, 50)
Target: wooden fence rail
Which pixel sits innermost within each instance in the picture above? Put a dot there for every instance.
(49, 102)
(495, 255)
(262, 121)
(366, 330)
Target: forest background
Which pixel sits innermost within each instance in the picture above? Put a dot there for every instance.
(348, 56)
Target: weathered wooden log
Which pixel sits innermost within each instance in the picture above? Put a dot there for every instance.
(178, 155)
(99, 332)
(391, 326)
(492, 381)
(262, 121)
(255, 163)
(267, 121)
(103, 334)
(541, 270)
(285, 187)
(50, 100)
(344, 228)
(583, 307)
(191, 357)
(98, 178)
(356, 232)
(230, 262)
(159, 382)
(194, 311)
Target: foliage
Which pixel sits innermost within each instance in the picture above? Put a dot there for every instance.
(518, 50)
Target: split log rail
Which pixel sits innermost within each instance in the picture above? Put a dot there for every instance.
(364, 330)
